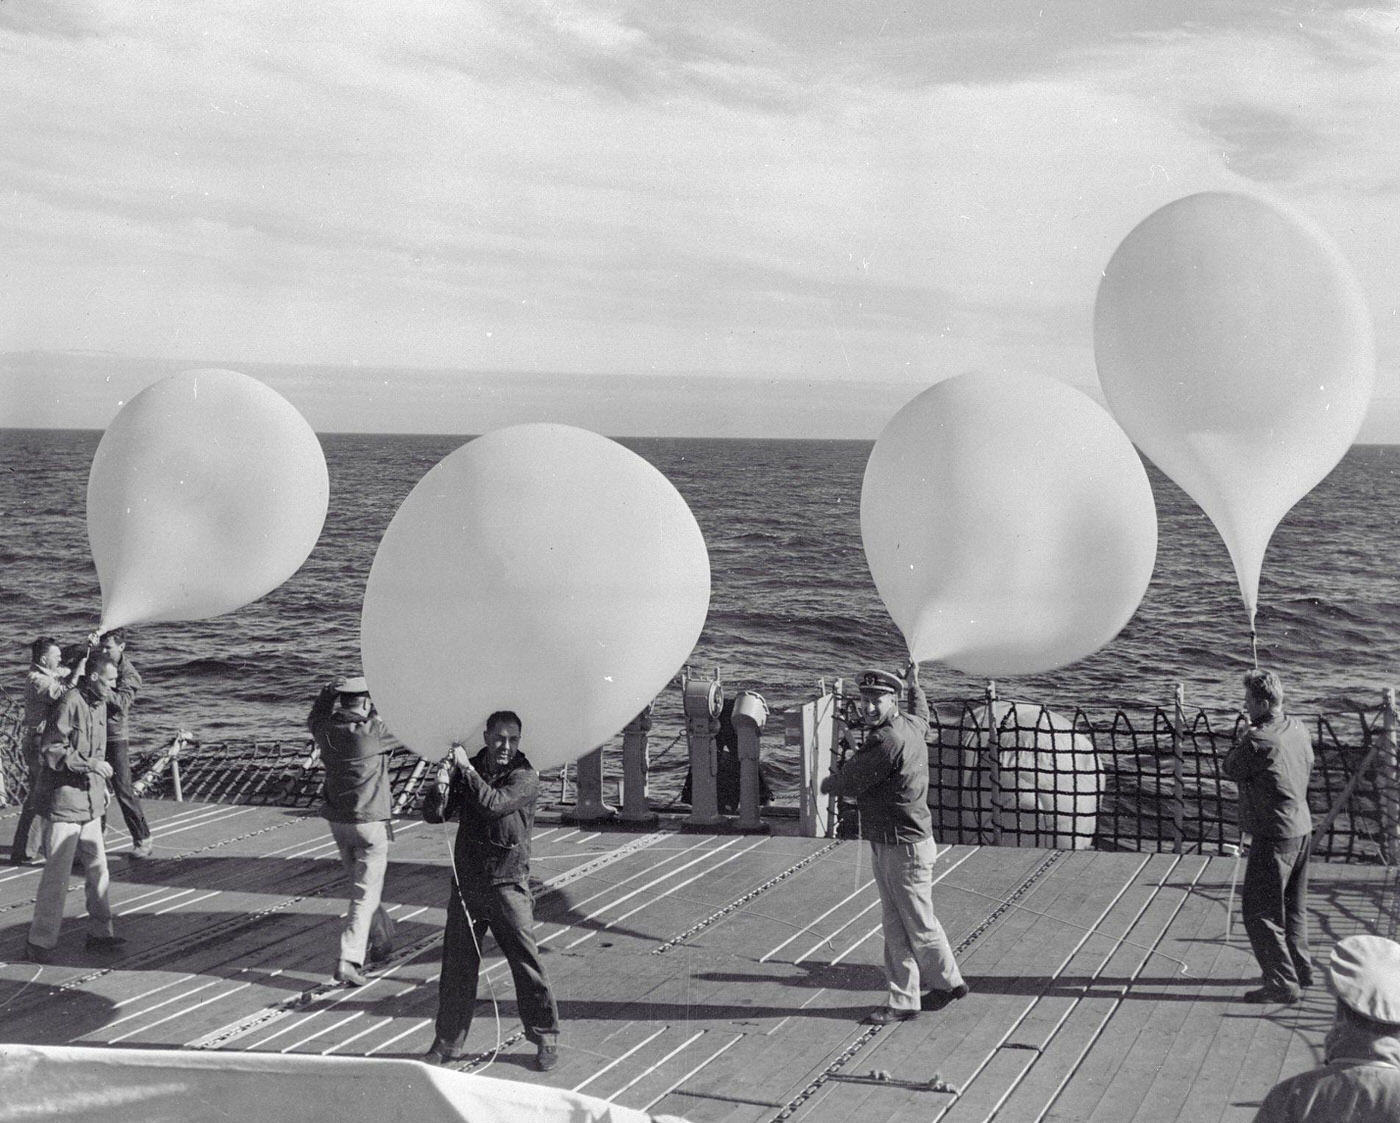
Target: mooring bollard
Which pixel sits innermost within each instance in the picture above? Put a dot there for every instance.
(750, 714)
(588, 784)
(635, 808)
(703, 701)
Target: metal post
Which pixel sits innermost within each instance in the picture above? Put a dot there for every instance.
(992, 823)
(588, 804)
(808, 734)
(1388, 780)
(634, 771)
(703, 701)
(1178, 803)
(750, 713)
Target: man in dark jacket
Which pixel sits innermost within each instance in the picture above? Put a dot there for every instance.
(888, 778)
(355, 748)
(73, 797)
(494, 795)
(113, 645)
(1271, 762)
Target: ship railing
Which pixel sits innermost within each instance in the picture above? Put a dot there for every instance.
(1001, 772)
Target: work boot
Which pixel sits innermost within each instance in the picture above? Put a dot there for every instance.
(441, 1054)
(887, 1016)
(1270, 996)
(547, 1056)
(35, 954)
(349, 974)
(937, 999)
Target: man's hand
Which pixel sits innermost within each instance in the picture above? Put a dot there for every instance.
(911, 673)
(103, 769)
(460, 757)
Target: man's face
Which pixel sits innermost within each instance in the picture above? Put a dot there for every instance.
(104, 681)
(52, 658)
(112, 648)
(876, 708)
(502, 742)
(1257, 708)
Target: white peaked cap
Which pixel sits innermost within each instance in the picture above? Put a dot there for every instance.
(1366, 974)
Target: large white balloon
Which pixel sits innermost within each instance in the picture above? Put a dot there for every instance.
(542, 569)
(1008, 523)
(207, 491)
(1235, 347)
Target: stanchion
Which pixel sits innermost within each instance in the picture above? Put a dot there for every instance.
(635, 809)
(1388, 780)
(588, 782)
(991, 824)
(1178, 804)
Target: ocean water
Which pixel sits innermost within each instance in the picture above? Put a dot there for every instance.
(792, 601)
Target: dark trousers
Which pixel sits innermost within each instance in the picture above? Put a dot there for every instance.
(508, 911)
(29, 833)
(1275, 907)
(119, 757)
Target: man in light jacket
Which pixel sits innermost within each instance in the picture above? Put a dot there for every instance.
(73, 798)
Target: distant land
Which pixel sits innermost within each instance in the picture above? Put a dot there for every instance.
(85, 389)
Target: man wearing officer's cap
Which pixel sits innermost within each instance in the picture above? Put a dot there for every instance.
(888, 778)
(1360, 1081)
(355, 747)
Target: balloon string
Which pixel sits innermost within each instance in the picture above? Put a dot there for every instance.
(1254, 646)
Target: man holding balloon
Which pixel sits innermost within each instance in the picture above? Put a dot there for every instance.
(73, 799)
(494, 793)
(888, 778)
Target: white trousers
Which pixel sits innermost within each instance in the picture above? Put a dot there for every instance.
(917, 953)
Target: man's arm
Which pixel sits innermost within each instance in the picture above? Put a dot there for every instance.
(128, 686)
(47, 686)
(322, 707)
(1244, 759)
(522, 788)
(915, 700)
(863, 769)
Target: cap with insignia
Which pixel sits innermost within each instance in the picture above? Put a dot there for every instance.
(880, 682)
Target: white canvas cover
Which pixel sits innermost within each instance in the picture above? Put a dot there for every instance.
(176, 1086)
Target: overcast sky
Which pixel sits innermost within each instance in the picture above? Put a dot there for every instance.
(783, 193)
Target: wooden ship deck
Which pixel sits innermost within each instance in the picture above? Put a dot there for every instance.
(712, 976)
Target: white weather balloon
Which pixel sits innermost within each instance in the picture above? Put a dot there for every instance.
(207, 491)
(1234, 346)
(542, 569)
(1008, 523)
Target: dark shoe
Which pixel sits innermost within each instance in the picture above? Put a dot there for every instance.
(142, 849)
(35, 954)
(1271, 996)
(104, 943)
(378, 953)
(937, 999)
(440, 1054)
(349, 974)
(547, 1056)
(885, 1016)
